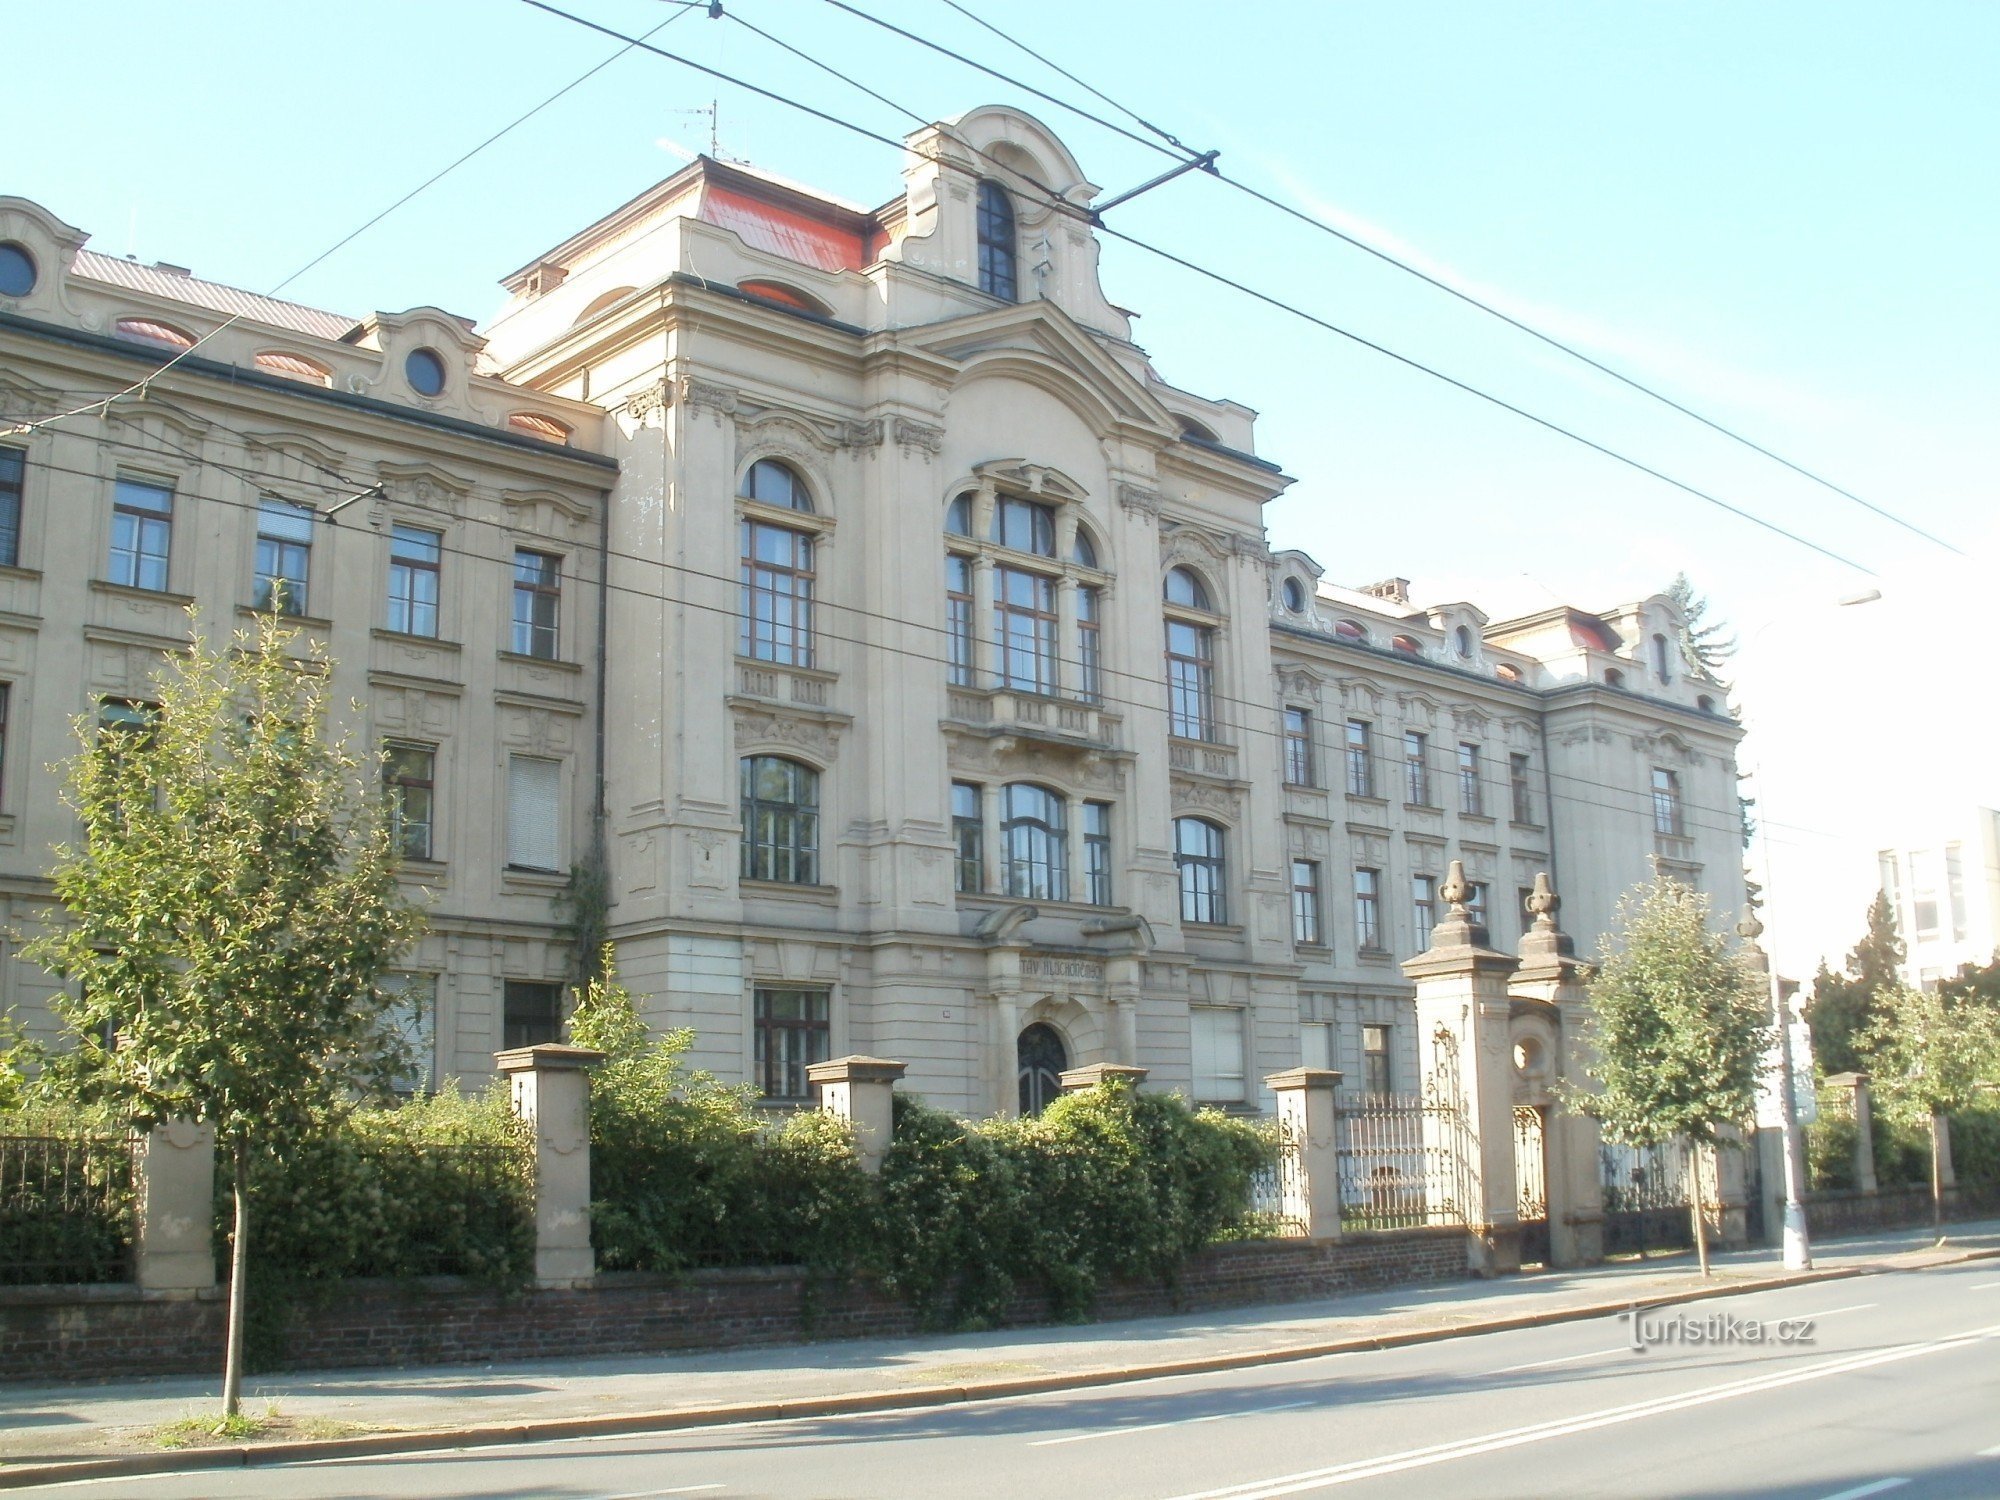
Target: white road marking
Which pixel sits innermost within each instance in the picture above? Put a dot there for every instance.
(1868, 1489)
(1567, 1359)
(1993, 1452)
(1829, 1312)
(1983, 1286)
(1418, 1458)
(1220, 1416)
(686, 1489)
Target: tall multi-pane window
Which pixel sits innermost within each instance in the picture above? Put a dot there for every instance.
(1375, 1059)
(775, 570)
(1299, 767)
(1667, 803)
(1520, 789)
(1368, 910)
(531, 1013)
(1305, 903)
(968, 836)
(1924, 893)
(142, 521)
(1089, 644)
(1034, 839)
(409, 779)
(780, 811)
(1360, 758)
(1190, 659)
(412, 1021)
(958, 619)
(998, 252)
(793, 1031)
(1024, 606)
(1954, 882)
(1417, 769)
(1475, 902)
(1424, 903)
(534, 813)
(1215, 1038)
(414, 554)
(537, 603)
(13, 479)
(1471, 791)
(1198, 853)
(1097, 853)
(284, 556)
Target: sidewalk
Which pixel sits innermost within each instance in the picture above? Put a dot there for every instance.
(61, 1422)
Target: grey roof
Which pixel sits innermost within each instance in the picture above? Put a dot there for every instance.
(232, 301)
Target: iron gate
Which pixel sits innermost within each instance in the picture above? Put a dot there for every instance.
(1531, 1177)
(1646, 1198)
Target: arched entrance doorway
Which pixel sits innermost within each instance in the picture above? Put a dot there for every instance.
(1039, 1059)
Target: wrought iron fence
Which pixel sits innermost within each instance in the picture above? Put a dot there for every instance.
(1646, 1197)
(1406, 1160)
(68, 1209)
(1275, 1185)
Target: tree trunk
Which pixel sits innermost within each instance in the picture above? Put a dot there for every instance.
(1937, 1175)
(1696, 1208)
(239, 1260)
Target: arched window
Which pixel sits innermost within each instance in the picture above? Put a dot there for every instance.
(1018, 604)
(151, 331)
(1024, 526)
(1083, 551)
(1409, 645)
(533, 424)
(1039, 1061)
(775, 571)
(1613, 677)
(1190, 659)
(1034, 833)
(1662, 662)
(996, 242)
(1461, 642)
(1351, 630)
(780, 809)
(291, 366)
(1198, 855)
(958, 517)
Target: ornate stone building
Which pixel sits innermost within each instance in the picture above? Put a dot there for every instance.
(955, 708)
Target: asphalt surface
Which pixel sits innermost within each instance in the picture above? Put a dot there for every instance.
(1885, 1384)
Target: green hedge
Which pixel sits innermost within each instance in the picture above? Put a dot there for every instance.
(67, 1197)
(1902, 1151)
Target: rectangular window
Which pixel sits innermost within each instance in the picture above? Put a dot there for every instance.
(13, 480)
(1360, 758)
(534, 813)
(1424, 902)
(968, 832)
(1089, 645)
(1667, 803)
(775, 594)
(792, 1033)
(532, 1014)
(1299, 748)
(1517, 783)
(1924, 894)
(142, 519)
(1216, 1037)
(1305, 903)
(1025, 616)
(409, 778)
(1375, 1060)
(1097, 853)
(1316, 1044)
(958, 619)
(1417, 769)
(1190, 680)
(1954, 884)
(1475, 902)
(413, 1022)
(1471, 791)
(284, 556)
(537, 603)
(1368, 910)
(413, 580)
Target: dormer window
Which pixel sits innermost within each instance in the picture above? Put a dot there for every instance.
(151, 331)
(1293, 593)
(1613, 677)
(997, 251)
(1408, 645)
(1661, 668)
(1351, 630)
(1461, 642)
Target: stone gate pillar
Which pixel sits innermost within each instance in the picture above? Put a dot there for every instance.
(1090, 1075)
(1549, 994)
(1864, 1128)
(861, 1091)
(1309, 1153)
(174, 1171)
(1462, 1031)
(551, 1090)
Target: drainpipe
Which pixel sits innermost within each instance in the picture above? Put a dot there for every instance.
(1549, 793)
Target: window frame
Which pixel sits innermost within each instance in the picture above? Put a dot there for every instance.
(961, 640)
(1039, 627)
(1669, 820)
(1520, 783)
(1206, 1024)
(1424, 908)
(1301, 764)
(1034, 843)
(397, 787)
(1190, 657)
(514, 812)
(1368, 909)
(550, 1019)
(541, 591)
(1471, 781)
(277, 555)
(145, 523)
(1377, 1074)
(13, 501)
(409, 569)
(1098, 884)
(772, 1064)
(1417, 768)
(1308, 923)
(968, 832)
(1203, 874)
(798, 820)
(997, 233)
(1360, 755)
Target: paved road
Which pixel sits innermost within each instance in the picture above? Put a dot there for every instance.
(1895, 1392)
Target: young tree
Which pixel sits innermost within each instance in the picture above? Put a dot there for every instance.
(229, 907)
(1934, 1055)
(1845, 1005)
(1678, 1023)
(1704, 644)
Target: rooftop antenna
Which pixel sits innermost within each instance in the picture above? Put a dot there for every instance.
(713, 109)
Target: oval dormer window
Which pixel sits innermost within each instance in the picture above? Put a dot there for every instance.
(424, 369)
(1294, 595)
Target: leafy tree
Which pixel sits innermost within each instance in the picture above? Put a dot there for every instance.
(1844, 1006)
(1678, 1024)
(1977, 983)
(1704, 644)
(229, 906)
(1934, 1056)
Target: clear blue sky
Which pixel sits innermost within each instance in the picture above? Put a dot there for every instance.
(1783, 214)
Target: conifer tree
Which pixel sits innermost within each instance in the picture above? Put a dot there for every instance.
(1845, 1005)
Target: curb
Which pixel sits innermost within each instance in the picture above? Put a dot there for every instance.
(554, 1429)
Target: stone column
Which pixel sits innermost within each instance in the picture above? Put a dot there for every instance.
(987, 667)
(861, 1091)
(551, 1089)
(173, 1167)
(1309, 1156)
(1725, 1170)
(1864, 1127)
(1551, 981)
(1947, 1174)
(1075, 1080)
(1463, 1010)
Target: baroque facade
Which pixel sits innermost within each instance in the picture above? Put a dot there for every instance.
(954, 707)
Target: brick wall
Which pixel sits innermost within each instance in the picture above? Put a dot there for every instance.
(90, 1332)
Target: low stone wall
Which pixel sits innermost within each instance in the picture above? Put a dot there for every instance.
(1846, 1212)
(92, 1332)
